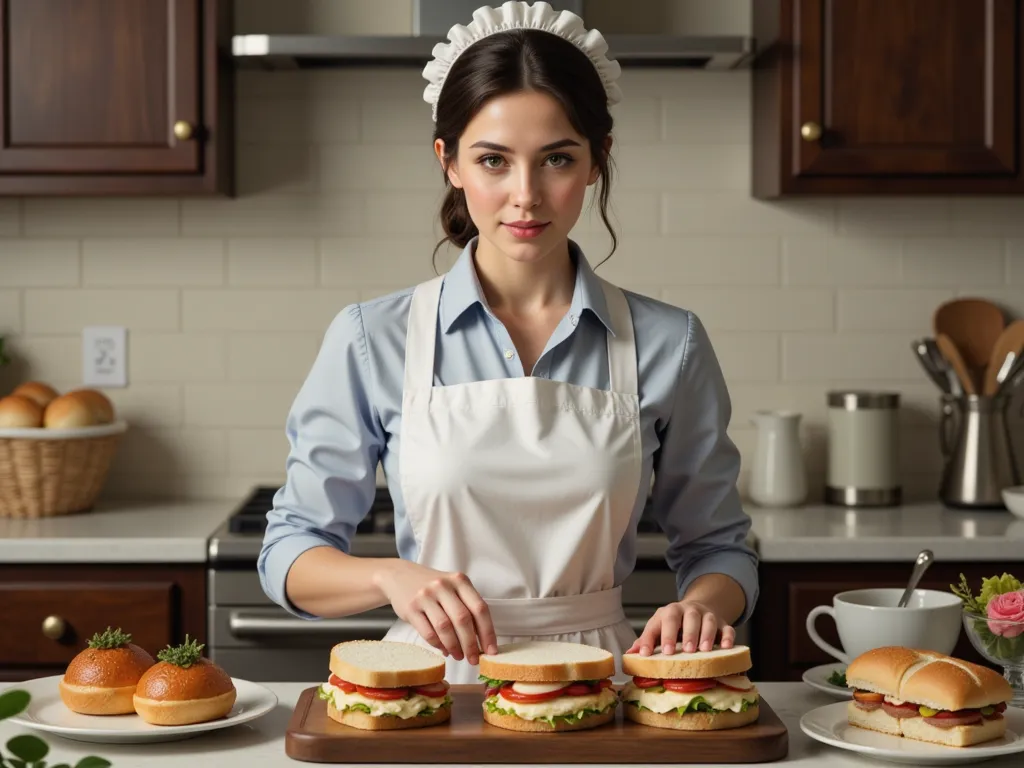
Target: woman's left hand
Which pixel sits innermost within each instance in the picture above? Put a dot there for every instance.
(699, 625)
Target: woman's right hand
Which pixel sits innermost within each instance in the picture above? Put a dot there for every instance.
(443, 607)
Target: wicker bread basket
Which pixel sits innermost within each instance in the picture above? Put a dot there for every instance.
(46, 472)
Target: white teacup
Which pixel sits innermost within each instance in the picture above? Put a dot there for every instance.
(869, 618)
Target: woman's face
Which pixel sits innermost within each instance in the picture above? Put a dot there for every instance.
(525, 173)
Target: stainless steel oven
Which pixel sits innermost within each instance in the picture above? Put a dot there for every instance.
(255, 639)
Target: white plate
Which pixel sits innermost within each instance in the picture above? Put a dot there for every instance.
(828, 724)
(817, 677)
(46, 712)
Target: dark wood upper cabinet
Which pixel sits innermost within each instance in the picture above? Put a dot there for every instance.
(115, 97)
(872, 96)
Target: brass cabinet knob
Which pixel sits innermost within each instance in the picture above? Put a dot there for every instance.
(183, 130)
(54, 627)
(810, 131)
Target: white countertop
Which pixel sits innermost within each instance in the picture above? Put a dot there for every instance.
(261, 743)
(116, 532)
(817, 533)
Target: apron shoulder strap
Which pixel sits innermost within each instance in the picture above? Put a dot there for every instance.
(421, 334)
(622, 363)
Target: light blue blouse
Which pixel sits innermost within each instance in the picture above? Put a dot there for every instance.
(348, 414)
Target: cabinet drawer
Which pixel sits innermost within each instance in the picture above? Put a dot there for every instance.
(143, 609)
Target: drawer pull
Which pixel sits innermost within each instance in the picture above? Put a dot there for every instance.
(54, 627)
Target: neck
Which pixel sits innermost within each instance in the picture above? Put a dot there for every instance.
(522, 288)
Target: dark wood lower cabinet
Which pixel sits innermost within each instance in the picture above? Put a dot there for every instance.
(50, 611)
(780, 647)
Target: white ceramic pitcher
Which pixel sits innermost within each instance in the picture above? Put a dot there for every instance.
(778, 476)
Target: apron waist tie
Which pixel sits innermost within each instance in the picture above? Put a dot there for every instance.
(537, 616)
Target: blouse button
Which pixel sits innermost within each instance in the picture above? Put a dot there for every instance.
(574, 320)
(509, 354)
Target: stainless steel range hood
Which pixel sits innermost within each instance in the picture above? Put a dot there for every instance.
(320, 51)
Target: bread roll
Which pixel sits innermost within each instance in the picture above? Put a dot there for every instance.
(102, 408)
(691, 721)
(101, 679)
(386, 664)
(38, 391)
(18, 411)
(68, 412)
(169, 694)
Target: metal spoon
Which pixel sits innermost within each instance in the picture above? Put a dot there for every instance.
(924, 559)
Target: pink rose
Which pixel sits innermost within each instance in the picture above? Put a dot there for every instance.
(1009, 608)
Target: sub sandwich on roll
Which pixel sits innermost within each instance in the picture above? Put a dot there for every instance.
(547, 686)
(381, 685)
(184, 688)
(926, 696)
(699, 691)
(102, 678)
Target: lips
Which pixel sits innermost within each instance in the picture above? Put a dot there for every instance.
(526, 229)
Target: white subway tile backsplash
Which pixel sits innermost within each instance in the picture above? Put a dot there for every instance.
(736, 213)
(10, 311)
(953, 261)
(262, 310)
(153, 262)
(276, 169)
(296, 121)
(272, 357)
(178, 451)
(275, 216)
(51, 359)
(39, 263)
(1015, 262)
(395, 121)
(635, 213)
(402, 213)
(709, 120)
(238, 405)
(149, 405)
(350, 168)
(68, 310)
(823, 357)
(766, 309)
(746, 357)
(101, 217)
(895, 309)
(639, 123)
(10, 217)
(688, 167)
(175, 357)
(375, 261)
(272, 263)
(825, 261)
(257, 451)
(988, 216)
(887, 216)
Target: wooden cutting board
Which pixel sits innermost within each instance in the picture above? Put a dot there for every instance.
(466, 738)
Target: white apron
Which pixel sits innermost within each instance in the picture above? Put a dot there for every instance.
(526, 485)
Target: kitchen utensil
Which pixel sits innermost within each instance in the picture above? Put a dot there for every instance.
(974, 325)
(870, 618)
(778, 477)
(940, 363)
(949, 350)
(1014, 377)
(1010, 342)
(924, 357)
(978, 450)
(924, 559)
(863, 449)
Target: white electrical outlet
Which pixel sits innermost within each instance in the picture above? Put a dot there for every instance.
(105, 356)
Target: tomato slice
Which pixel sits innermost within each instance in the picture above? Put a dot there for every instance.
(646, 682)
(868, 696)
(507, 692)
(689, 686)
(606, 683)
(579, 689)
(434, 690)
(1001, 707)
(383, 694)
(344, 685)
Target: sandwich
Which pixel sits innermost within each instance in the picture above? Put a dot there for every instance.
(699, 691)
(102, 678)
(183, 688)
(926, 696)
(380, 685)
(545, 686)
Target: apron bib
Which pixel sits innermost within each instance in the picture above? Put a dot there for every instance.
(526, 485)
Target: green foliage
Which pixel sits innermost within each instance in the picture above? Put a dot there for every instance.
(28, 751)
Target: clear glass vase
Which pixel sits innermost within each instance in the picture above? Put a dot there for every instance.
(1002, 643)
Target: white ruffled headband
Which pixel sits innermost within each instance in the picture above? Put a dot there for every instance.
(489, 21)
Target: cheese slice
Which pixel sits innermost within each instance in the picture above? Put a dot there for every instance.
(403, 708)
(736, 681)
(563, 705)
(667, 701)
(533, 689)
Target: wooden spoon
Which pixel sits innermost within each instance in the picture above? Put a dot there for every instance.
(1010, 340)
(974, 325)
(952, 354)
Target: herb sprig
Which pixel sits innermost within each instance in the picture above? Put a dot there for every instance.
(184, 655)
(110, 638)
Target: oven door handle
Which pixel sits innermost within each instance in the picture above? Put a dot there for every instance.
(243, 624)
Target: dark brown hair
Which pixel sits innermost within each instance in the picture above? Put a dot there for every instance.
(510, 62)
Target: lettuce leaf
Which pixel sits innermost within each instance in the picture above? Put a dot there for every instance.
(697, 704)
(360, 707)
(492, 706)
(491, 683)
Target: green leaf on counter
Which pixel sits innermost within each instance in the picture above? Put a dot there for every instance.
(28, 748)
(13, 703)
(61, 765)
(16, 763)
(92, 762)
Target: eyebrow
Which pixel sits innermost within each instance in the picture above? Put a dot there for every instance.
(545, 148)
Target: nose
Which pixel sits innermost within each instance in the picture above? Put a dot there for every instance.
(526, 190)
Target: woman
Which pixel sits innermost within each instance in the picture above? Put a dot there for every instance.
(519, 404)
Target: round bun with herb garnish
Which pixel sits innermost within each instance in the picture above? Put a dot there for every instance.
(184, 688)
(101, 679)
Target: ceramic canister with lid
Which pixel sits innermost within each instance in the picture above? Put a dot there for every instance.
(863, 449)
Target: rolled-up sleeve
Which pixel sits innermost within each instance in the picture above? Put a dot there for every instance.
(695, 497)
(335, 442)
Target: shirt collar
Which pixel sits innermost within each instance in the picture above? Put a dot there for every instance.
(461, 289)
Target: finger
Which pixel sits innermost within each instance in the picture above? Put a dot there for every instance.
(462, 619)
(691, 629)
(728, 636)
(421, 624)
(648, 638)
(481, 616)
(708, 631)
(443, 626)
(671, 620)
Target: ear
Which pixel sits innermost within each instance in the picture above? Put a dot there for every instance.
(453, 169)
(595, 170)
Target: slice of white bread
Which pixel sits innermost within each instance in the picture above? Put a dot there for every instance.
(691, 721)
(386, 664)
(717, 662)
(928, 678)
(916, 728)
(366, 722)
(547, 661)
(513, 723)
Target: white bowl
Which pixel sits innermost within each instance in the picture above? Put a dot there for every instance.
(1013, 497)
